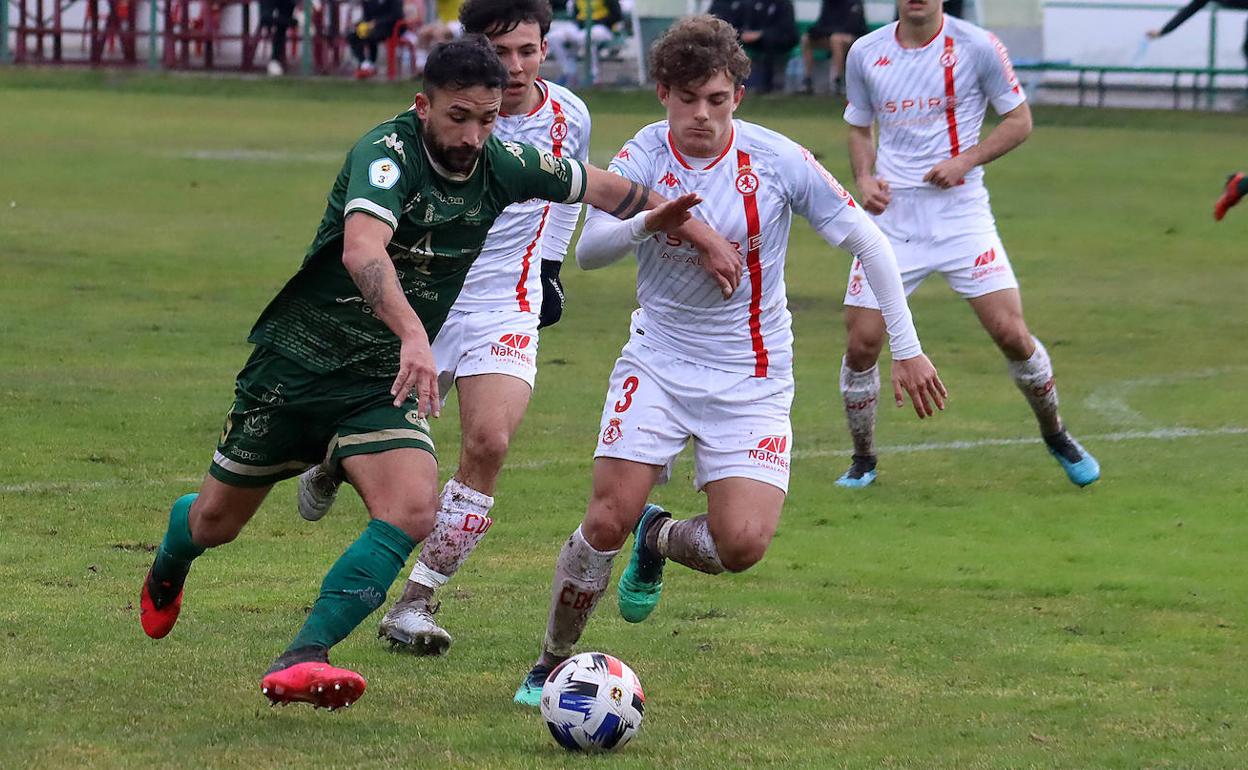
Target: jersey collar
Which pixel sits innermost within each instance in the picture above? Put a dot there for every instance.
(671, 144)
(541, 86)
(904, 47)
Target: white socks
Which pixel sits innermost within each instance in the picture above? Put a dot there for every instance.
(581, 576)
(861, 393)
(1034, 377)
(462, 520)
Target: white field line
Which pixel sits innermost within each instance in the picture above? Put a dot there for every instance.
(1110, 400)
(1160, 434)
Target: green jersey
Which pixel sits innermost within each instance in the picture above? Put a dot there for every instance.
(440, 223)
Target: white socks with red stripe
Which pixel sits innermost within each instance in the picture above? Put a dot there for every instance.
(462, 520)
(689, 542)
(1034, 377)
(861, 393)
(581, 576)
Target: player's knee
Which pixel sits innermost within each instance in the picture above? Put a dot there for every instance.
(861, 352)
(607, 524)
(213, 524)
(487, 448)
(415, 514)
(740, 552)
(1013, 338)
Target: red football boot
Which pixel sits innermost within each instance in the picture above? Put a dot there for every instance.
(320, 684)
(1230, 196)
(157, 621)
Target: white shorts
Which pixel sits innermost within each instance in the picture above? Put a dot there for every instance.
(488, 342)
(739, 423)
(950, 232)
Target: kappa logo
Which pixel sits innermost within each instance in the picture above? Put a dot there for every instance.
(987, 258)
(883, 61)
(613, 432)
(559, 130)
(515, 150)
(747, 182)
(393, 142)
(669, 179)
(623, 154)
(516, 341)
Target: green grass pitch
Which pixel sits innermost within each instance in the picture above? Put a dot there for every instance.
(972, 610)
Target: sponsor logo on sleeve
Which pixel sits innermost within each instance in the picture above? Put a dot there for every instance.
(383, 173)
(553, 166)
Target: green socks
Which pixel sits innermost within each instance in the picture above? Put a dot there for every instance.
(176, 552)
(355, 586)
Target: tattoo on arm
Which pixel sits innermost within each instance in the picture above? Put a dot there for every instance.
(634, 202)
(371, 278)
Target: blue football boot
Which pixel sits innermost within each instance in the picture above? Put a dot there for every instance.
(1081, 467)
(860, 474)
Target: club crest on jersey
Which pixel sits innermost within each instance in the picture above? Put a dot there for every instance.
(747, 181)
(612, 433)
(855, 285)
(559, 129)
(383, 173)
(948, 59)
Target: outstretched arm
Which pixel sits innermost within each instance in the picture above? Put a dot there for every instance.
(364, 255)
(625, 199)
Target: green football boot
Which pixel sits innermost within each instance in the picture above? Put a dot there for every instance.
(642, 582)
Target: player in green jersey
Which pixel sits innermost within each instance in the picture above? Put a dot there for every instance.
(342, 356)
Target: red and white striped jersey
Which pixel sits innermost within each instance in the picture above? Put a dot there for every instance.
(929, 101)
(749, 194)
(507, 274)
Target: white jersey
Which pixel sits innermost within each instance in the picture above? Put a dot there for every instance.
(929, 101)
(507, 274)
(749, 195)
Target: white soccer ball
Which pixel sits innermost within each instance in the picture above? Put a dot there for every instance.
(592, 702)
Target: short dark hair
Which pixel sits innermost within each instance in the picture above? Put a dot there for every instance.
(464, 63)
(498, 17)
(694, 50)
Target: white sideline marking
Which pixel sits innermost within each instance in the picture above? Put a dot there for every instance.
(1160, 434)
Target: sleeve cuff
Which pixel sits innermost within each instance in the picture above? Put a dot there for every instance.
(1009, 100)
(578, 182)
(855, 116)
(375, 209)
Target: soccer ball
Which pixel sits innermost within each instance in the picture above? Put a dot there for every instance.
(592, 702)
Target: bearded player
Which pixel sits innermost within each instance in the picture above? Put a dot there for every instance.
(487, 349)
(696, 367)
(926, 80)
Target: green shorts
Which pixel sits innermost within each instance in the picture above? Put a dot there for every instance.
(286, 418)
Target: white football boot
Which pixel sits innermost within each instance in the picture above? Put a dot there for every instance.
(317, 489)
(409, 626)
